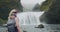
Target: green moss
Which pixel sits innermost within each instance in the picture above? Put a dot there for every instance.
(2, 21)
(45, 5)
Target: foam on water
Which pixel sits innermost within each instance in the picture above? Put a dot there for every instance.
(29, 18)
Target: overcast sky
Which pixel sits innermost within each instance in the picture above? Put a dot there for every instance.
(31, 1)
(28, 4)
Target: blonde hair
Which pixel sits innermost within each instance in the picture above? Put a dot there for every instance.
(11, 13)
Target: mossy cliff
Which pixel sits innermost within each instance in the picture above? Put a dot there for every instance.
(52, 16)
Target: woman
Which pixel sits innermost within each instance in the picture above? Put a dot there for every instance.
(13, 24)
(13, 11)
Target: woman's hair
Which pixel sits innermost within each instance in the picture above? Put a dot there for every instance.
(12, 11)
(13, 14)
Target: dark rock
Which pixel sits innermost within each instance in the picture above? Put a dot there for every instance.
(36, 7)
(40, 26)
(53, 14)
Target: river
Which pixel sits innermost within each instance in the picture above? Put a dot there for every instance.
(3, 29)
(47, 28)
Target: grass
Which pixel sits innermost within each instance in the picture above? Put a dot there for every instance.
(2, 21)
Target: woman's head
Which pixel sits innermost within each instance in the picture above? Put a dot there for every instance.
(13, 15)
(14, 11)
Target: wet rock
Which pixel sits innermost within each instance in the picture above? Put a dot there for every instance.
(40, 26)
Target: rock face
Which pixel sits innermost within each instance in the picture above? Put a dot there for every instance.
(7, 5)
(45, 5)
(36, 7)
(53, 14)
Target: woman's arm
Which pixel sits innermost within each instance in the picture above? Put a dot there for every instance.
(17, 24)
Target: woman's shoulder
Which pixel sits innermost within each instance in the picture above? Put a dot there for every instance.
(16, 18)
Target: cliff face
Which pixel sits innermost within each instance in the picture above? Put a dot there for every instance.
(7, 5)
(45, 5)
(54, 12)
(52, 16)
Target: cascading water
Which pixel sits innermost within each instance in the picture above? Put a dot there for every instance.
(29, 19)
(28, 16)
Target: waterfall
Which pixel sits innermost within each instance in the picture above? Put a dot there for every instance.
(29, 18)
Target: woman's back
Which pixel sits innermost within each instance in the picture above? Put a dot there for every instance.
(11, 25)
(11, 21)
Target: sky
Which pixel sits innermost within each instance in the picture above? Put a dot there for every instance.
(31, 1)
(29, 4)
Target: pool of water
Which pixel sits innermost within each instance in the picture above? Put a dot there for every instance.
(47, 28)
(30, 28)
(3, 29)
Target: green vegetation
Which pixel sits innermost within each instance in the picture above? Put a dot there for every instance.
(6, 6)
(2, 21)
(52, 15)
(45, 5)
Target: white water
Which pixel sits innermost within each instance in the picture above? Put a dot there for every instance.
(29, 18)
